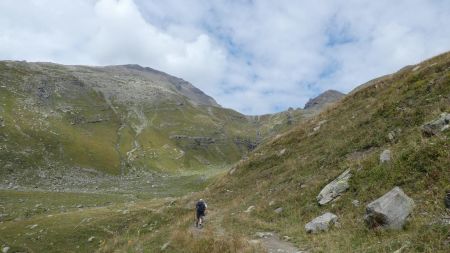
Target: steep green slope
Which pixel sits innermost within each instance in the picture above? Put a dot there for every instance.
(388, 114)
(60, 123)
(113, 120)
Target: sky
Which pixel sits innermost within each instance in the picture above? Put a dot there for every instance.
(254, 56)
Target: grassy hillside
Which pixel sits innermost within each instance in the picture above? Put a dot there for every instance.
(116, 120)
(385, 115)
(287, 171)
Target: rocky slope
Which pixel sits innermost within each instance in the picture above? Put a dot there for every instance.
(81, 126)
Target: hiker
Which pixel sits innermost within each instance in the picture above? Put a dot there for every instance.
(200, 209)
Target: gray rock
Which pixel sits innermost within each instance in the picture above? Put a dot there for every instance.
(389, 211)
(385, 156)
(5, 249)
(321, 223)
(164, 247)
(391, 136)
(436, 126)
(278, 210)
(91, 238)
(264, 234)
(335, 188)
(282, 152)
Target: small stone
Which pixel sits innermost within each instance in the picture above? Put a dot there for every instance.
(271, 203)
(264, 234)
(278, 210)
(286, 238)
(391, 136)
(79, 206)
(249, 209)
(282, 152)
(385, 156)
(33, 226)
(91, 238)
(5, 249)
(321, 223)
(355, 202)
(164, 247)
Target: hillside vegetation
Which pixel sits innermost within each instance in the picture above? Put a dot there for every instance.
(291, 170)
(286, 170)
(71, 127)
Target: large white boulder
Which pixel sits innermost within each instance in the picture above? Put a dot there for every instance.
(321, 223)
(389, 211)
(335, 188)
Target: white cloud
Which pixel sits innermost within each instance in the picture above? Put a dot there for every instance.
(254, 56)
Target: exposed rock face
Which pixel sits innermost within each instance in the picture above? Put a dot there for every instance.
(335, 188)
(436, 126)
(321, 223)
(328, 97)
(385, 156)
(389, 211)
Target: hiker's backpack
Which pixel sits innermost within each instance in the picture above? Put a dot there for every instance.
(201, 206)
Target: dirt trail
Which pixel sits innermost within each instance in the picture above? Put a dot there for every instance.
(272, 243)
(269, 241)
(212, 222)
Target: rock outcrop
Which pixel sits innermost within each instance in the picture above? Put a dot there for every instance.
(389, 211)
(328, 97)
(335, 188)
(321, 223)
(438, 125)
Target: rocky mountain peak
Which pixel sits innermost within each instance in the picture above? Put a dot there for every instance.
(327, 97)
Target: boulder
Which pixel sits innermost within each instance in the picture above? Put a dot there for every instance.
(335, 188)
(385, 156)
(389, 211)
(321, 223)
(438, 125)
